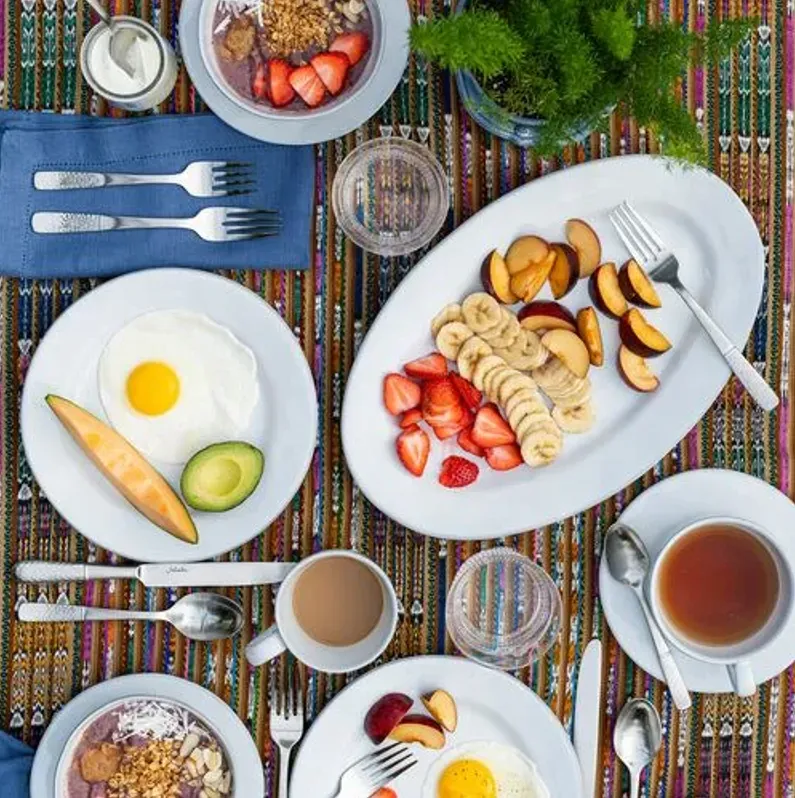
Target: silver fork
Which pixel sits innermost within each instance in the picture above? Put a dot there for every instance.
(376, 770)
(648, 249)
(200, 179)
(212, 224)
(287, 722)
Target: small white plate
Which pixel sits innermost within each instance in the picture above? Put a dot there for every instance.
(656, 515)
(231, 732)
(723, 264)
(284, 424)
(491, 706)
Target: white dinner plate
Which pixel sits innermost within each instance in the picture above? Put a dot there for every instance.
(231, 732)
(656, 515)
(284, 423)
(722, 261)
(492, 706)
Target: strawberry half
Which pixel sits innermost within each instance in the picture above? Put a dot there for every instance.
(354, 45)
(309, 86)
(457, 472)
(279, 88)
(469, 394)
(491, 429)
(413, 446)
(468, 445)
(400, 394)
(259, 83)
(441, 405)
(445, 431)
(332, 69)
(430, 367)
(505, 457)
(413, 416)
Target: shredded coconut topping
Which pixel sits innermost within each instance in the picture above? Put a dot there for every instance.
(154, 720)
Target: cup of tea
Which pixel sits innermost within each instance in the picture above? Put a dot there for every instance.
(336, 611)
(721, 590)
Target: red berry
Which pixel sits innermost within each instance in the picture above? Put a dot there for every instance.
(468, 445)
(457, 472)
(354, 45)
(505, 457)
(400, 394)
(491, 429)
(429, 367)
(332, 69)
(413, 446)
(308, 85)
(469, 394)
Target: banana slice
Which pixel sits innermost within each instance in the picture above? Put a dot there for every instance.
(447, 314)
(522, 395)
(488, 380)
(529, 407)
(574, 419)
(481, 313)
(513, 352)
(578, 394)
(533, 422)
(472, 350)
(554, 377)
(516, 382)
(541, 447)
(452, 337)
(498, 381)
(534, 350)
(506, 333)
(483, 367)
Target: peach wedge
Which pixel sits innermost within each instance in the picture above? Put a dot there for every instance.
(641, 337)
(589, 249)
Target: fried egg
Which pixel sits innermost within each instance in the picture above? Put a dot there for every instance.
(483, 769)
(173, 382)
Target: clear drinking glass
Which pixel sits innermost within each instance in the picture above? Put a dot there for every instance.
(503, 610)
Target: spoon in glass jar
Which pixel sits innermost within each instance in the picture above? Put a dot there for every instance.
(121, 39)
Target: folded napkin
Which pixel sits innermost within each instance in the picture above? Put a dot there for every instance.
(16, 759)
(156, 144)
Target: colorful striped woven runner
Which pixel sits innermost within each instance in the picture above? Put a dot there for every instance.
(722, 747)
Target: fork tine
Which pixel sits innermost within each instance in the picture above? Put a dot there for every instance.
(262, 227)
(244, 214)
(392, 765)
(232, 165)
(627, 235)
(291, 697)
(379, 758)
(649, 230)
(386, 778)
(232, 183)
(638, 235)
(298, 692)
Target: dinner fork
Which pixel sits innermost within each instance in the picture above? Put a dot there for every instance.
(199, 179)
(287, 722)
(211, 224)
(375, 771)
(648, 249)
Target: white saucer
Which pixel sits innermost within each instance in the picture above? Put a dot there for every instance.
(659, 513)
(234, 736)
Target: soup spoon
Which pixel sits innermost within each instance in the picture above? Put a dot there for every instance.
(637, 739)
(628, 563)
(198, 616)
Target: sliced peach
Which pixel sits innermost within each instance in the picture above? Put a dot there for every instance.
(528, 282)
(565, 270)
(546, 315)
(385, 715)
(524, 252)
(641, 337)
(589, 249)
(419, 729)
(606, 293)
(635, 371)
(496, 278)
(569, 348)
(637, 286)
(442, 708)
(591, 334)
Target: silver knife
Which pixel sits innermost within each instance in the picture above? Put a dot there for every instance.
(200, 574)
(587, 715)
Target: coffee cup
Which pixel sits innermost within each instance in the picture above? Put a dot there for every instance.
(735, 655)
(342, 650)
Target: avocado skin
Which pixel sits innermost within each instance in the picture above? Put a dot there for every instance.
(249, 459)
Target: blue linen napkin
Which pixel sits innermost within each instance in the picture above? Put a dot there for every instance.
(16, 760)
(32, 141)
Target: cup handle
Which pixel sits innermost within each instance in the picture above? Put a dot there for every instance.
(742, 678)
(265, 646)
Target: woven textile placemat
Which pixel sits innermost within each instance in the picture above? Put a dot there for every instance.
(722, 746)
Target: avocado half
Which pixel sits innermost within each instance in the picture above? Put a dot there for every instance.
(222, 476)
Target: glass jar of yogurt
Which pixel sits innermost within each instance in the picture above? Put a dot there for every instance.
(151, 56)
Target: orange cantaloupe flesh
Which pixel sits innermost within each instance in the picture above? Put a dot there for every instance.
(126, 469)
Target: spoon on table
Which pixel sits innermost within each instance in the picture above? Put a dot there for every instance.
(198, 616)
(637, 738)
(121, 39)
(628, 563)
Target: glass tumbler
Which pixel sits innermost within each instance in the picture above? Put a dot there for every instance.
(503, 610)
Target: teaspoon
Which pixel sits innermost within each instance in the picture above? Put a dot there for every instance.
(121, 40)
(637, 738)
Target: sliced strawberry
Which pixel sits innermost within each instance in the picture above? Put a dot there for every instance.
(491, 429)
(308, 85)
(259, 83)
(469, 394)
(385, 792)
(441, 405)
(445, 431)
(400, 394)
(505, 457)
(429, 367)
(280, 90)
(413, 416)
(413, 446)
(457, 472)
(354, 45)
(332, 69)
(468, 445)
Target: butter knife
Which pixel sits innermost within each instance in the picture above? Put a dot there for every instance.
(200, 574)
(587, 715)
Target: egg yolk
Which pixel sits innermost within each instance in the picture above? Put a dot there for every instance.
(466, 778)
(152, 388)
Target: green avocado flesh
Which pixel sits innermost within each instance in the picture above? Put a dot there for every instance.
(221, 476)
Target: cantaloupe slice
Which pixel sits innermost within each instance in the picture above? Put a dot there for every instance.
(126, 469)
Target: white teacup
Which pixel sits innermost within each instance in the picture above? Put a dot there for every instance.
(286, 633)
(736, 657)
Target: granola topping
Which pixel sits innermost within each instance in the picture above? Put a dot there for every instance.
(292, 26)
